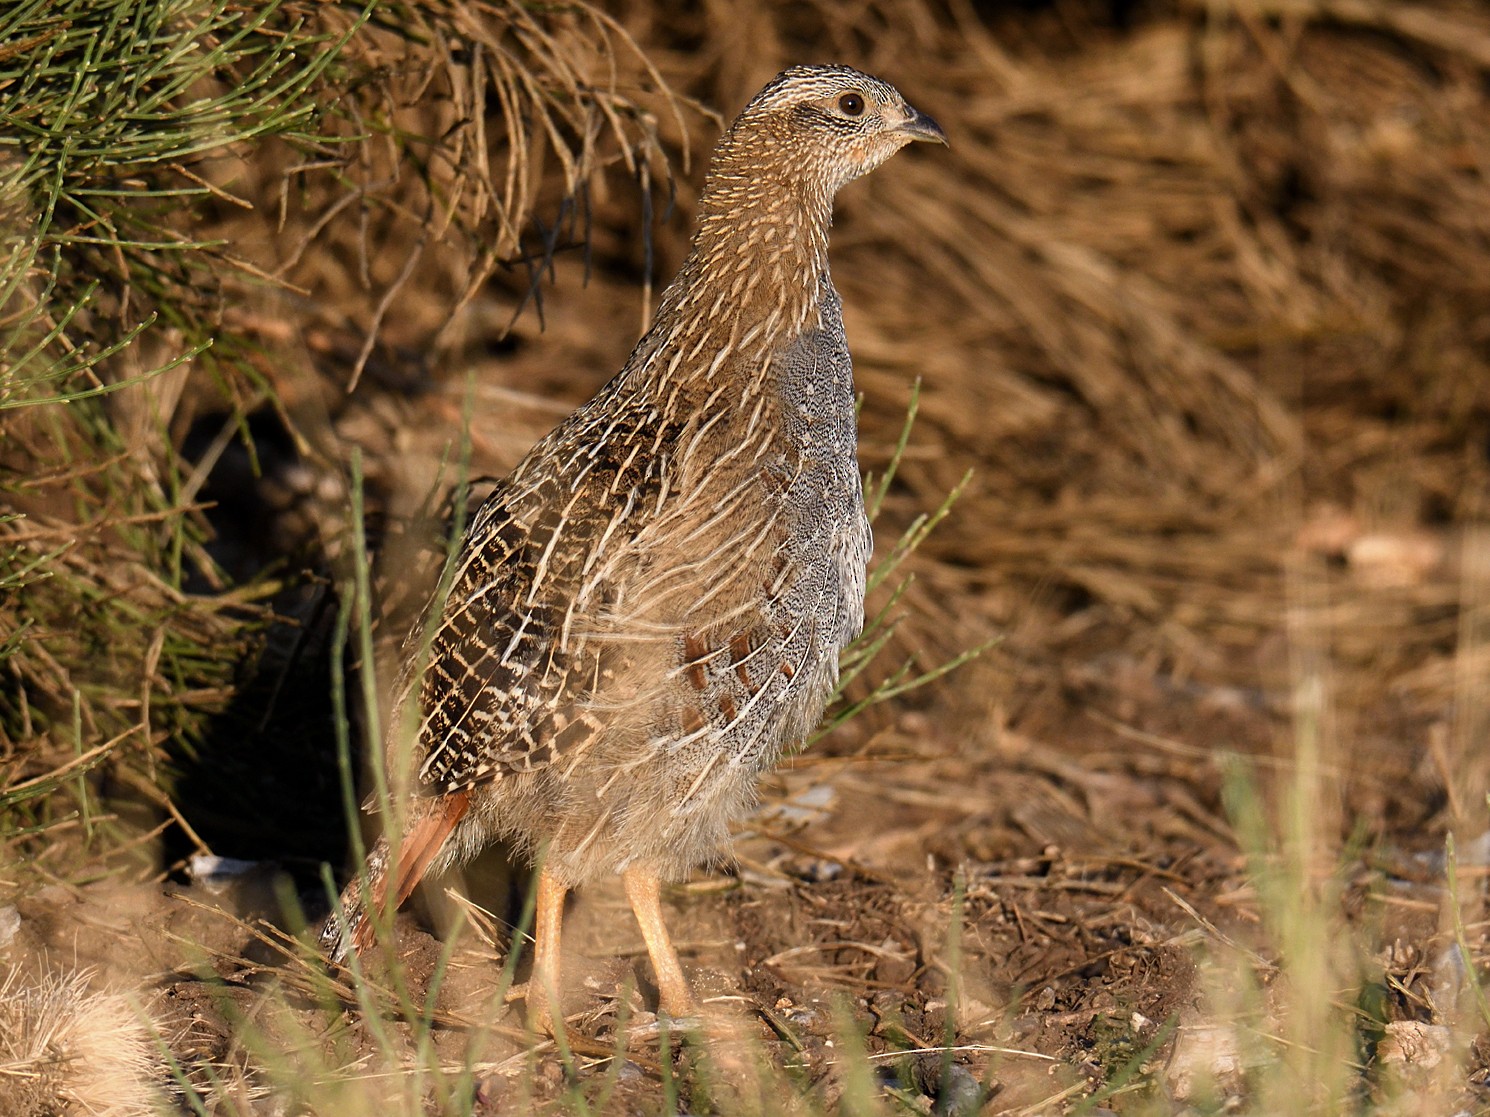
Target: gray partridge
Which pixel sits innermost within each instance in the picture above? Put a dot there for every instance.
(649, 610)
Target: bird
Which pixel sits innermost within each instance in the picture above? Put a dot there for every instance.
(647, 613)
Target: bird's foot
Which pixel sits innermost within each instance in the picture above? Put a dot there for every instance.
(650, 1025)
(540, 1014)
(679, 1006)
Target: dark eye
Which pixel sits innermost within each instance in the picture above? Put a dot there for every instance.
(851, 104)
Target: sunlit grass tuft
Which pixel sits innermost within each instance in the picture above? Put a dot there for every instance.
(66, 1047)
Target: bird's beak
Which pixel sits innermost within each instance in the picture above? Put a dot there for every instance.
(919, 126)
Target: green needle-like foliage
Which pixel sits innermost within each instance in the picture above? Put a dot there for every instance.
(112, 113)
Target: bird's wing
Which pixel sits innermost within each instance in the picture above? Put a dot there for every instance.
(514, 659)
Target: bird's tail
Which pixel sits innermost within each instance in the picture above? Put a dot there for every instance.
(349, 929)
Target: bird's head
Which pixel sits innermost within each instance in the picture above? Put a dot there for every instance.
(823, 126)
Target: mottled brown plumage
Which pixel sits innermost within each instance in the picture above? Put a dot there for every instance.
(650, 608)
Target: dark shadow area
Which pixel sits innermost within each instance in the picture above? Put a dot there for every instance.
(261, 780)
(262, 783)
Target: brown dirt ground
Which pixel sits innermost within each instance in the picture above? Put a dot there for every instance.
(1091, 873)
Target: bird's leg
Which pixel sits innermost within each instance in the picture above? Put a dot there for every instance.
(548, 920)
(644, 891)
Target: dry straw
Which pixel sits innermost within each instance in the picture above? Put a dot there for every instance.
(68, 1048)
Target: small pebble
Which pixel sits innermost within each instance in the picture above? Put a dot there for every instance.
(216, 873)
(1207, 1061)
(1413, 1046)
(961, 1095)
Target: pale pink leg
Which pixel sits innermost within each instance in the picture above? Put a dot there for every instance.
(543, 986)
(644, 891)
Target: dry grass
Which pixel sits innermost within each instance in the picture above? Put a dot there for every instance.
(67, 1048)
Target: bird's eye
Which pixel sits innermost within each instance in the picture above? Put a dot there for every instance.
(851, 104)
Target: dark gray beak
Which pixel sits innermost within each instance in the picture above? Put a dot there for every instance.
(919, 126)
